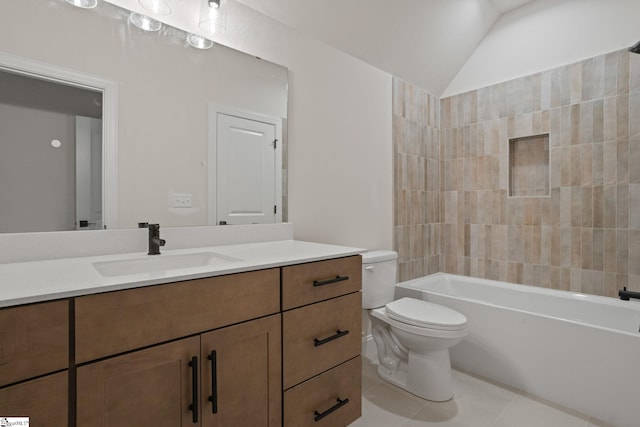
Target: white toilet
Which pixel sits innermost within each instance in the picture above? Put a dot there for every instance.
(412, 336)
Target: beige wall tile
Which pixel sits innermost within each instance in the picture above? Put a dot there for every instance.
(610, 206)
(598, 206)
(610, 246)
(587, 164)
(622, 206)
(634, 72)
(611, 74)
(598, 88)
(598, 249)
(634, 252)
(588, 77)
(634, 112)
(634, 161)
(587, 248)
(457, 170)
(587, 207)
(586, 123)
(622, 238)
(622, 116)
(623, 71)
(610, 119)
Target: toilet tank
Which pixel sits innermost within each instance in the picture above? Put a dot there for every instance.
(378, 278)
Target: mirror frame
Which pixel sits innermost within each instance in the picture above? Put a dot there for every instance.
(109, 90)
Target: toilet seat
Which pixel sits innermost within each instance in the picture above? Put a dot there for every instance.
(380, 313)
(425, 314)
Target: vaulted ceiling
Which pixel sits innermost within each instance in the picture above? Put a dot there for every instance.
(425, 42)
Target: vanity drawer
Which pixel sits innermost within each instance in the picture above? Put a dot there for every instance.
(315, 399)
(116, 322)
(316, 281)
(34, 340)
(320, 336)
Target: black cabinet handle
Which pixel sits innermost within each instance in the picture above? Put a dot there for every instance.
(194, 389)
(214, 382)
(340, 404)
(330, 281)
(338, 334)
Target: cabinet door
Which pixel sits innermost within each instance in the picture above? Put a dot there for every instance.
(151, 387)
(241, 369)
(43, 400)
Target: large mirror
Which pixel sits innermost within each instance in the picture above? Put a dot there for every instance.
(167, 108)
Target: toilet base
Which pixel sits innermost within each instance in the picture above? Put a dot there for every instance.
(428, 376)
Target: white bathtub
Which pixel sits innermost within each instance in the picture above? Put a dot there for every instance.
(580, 351)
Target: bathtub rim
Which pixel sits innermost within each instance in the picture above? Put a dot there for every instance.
(567, 295)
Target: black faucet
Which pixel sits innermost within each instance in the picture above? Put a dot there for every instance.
(154, 237)
(624, 294)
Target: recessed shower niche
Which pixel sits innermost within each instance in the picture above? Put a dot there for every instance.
(529, 166)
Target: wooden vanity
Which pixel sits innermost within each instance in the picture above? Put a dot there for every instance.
(272, 347)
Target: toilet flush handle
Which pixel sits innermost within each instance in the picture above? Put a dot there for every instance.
(370, 267)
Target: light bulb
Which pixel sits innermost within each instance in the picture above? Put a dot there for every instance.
(158, 7)
(212, 19)
(199, 41)
(144, 22)
(85, 4)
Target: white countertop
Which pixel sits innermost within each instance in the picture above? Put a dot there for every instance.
(36, 281)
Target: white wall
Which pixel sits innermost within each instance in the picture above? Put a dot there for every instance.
(340, 152)
(547, 34)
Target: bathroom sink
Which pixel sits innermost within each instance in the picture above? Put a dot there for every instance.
(159, 263)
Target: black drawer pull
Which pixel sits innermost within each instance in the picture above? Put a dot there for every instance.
(214, 382)
(341, 403)
(338, 334)
(330, 281)
(194, 389)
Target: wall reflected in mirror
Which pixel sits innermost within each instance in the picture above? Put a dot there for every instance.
(164, 92)
(47, 159)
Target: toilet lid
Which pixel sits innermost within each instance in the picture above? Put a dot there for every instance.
(425, 314)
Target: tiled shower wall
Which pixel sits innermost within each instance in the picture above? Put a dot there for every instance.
(584, 236)
(416, 116)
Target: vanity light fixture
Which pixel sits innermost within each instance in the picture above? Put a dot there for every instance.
(144, 22)
(157, 7)
(85, 4)
(212, 16)
(199, 41)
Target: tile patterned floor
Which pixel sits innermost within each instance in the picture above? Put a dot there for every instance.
(477, 403)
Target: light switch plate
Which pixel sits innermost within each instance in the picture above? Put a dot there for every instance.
(182, 200)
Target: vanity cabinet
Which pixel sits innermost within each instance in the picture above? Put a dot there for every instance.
(34, 357)
(228, 377)
(204, 352)
(272, 347)
(321, 325)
